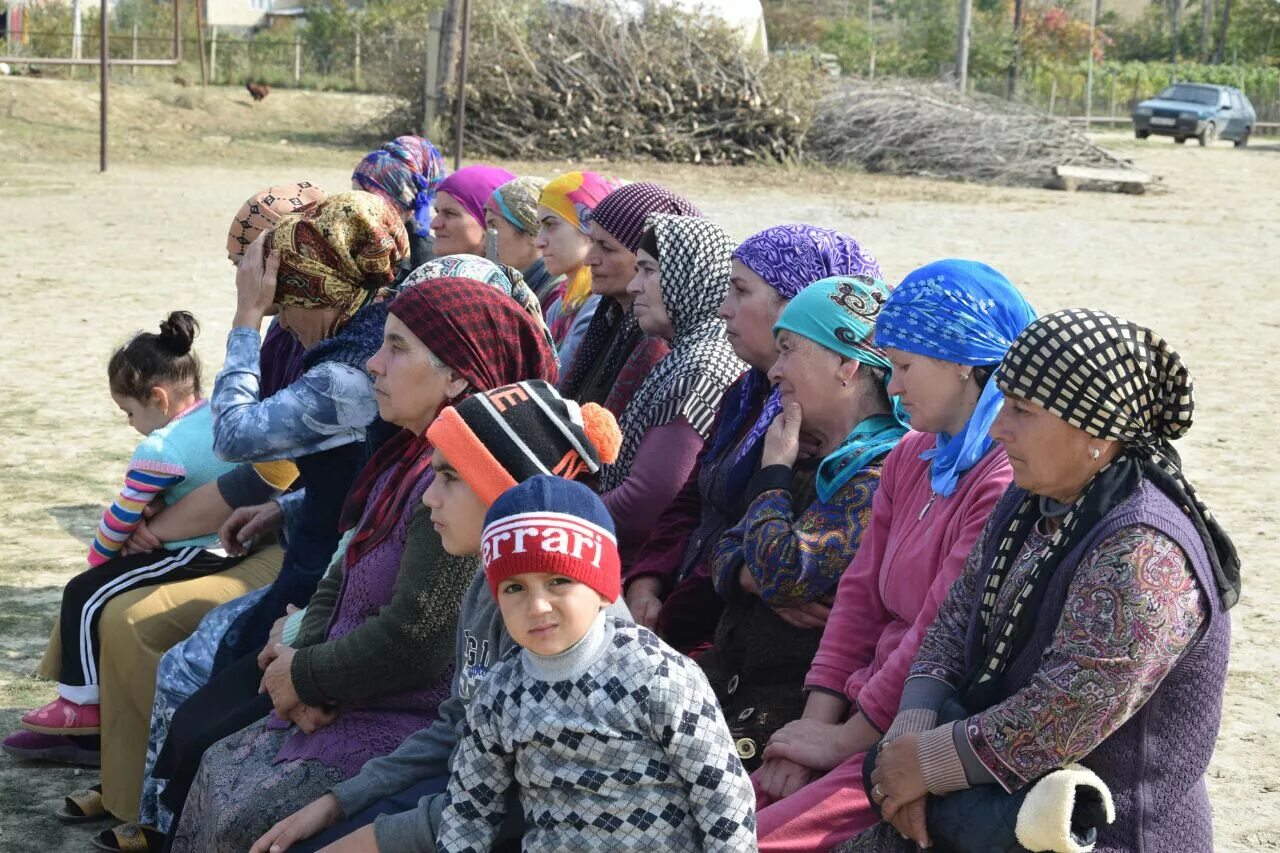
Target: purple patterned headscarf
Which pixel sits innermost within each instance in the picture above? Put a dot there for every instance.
(789, 258)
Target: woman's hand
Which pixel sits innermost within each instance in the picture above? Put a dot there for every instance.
(238, 531)
(810, 614)
(311, 719)
(812, 743)
(782, 777)
(898, 778)
(277, 680)
(782, 441)
(306, 822)
(255, 284)
(643, 601)
(275, 639)
(142, 540)
(910, 823)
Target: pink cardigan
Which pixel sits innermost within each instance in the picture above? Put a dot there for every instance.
(891, 592)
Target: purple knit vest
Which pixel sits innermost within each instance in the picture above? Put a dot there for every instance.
(374, 726)
(1155, 763)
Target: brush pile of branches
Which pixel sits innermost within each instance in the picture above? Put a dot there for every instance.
(579, 82)
(904, 128)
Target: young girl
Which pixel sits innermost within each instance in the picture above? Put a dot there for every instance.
(155, 380)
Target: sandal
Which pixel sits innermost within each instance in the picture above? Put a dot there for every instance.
(129, 838)
(83, 807)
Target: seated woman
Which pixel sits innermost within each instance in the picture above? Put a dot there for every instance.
(511, 216)
(1089, 624)
(669, 585)
(459, 224)
(405, 173)
(807, 508)
(374, 651)
(564, 209)
(945, 328)
(615, 354)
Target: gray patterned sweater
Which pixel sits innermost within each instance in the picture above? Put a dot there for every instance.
(615, 744)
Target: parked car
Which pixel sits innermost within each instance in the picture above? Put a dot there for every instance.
(1206, 112)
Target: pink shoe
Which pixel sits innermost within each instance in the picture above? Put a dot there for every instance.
(62, 717)
(33, 746)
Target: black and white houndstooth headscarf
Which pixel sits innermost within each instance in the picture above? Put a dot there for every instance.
(1115, 380)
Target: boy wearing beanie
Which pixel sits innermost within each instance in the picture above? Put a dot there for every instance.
(482, 446)
(612, 739)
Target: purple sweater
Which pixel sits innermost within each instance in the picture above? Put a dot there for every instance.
(374, 726)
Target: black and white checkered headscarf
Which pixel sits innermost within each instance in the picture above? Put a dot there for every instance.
(1115, 380)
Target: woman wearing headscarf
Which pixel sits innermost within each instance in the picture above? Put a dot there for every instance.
(505, 278)
(373, 658)
(807, 509)
(406, 173)
(511, 215)
(615, 355)
(682, 275)
(564, 211)
(669, 586)
(459, 223)
(944, 329)
(1089, 624)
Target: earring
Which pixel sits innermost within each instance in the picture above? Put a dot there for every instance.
(964, 377)
(844, 383)
(1094, 453)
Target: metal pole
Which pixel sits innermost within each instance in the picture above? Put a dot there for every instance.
(204, 69)
(358, 75)
(1088, 84)
(461, 121)
(297, 59)
(104, 74)
(213, 55)
(133, 69)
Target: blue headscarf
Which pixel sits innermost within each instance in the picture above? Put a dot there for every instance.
(839, 313)
(964, 312)
(788, 258)
(406, 171)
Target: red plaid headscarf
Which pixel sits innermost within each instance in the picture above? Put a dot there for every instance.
(484, 336)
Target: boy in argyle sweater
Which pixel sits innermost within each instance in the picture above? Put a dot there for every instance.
(613, 740)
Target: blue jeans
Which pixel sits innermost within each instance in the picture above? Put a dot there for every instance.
(395, 804)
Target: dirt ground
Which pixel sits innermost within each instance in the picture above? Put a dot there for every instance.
(85, 259)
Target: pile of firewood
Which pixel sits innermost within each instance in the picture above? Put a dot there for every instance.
(583, 82)
(930, 130)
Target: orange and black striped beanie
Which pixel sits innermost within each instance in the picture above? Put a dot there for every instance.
(502, 437)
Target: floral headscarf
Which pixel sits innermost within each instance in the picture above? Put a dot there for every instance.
(517, 202)
(338, 253)
(263, 210)
(406, 172)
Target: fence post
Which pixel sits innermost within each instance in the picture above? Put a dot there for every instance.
(358, 75)
(133, 69)
(1112, 111)
(213, 54)
(431, 70)
(1053, 92)
(297, 58)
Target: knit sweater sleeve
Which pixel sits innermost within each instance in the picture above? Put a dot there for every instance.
(879, 689)
(1132, 608)
(408, 643)
(330, 405)
(685, 719)
(798, 555)
(482, 771)
(145, 480)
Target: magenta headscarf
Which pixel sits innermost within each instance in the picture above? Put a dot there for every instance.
(472, 186)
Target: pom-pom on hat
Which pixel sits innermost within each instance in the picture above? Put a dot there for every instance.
(552, 526)
(505, 436)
